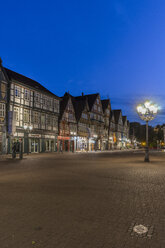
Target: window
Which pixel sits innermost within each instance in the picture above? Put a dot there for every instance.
(51, 103)
(3, 90)
(37, 97)
(71, 117)
(48, 102)
(2, 110)
(26, 115)
(55, 122)
(95, 107)
(82, 127)
(42, 119)
(16, 113)
(48, 120)
(43, 100)
(56, 106)
(69, 106)
(35, 117)
(91, 115)
(17, 91)
(84, 116)
(27, 95)
(107, 111)
(99, 109)
(97, 101)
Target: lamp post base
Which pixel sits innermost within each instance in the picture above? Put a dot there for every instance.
(146, 160)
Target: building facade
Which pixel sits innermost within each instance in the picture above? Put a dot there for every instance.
(112, 131)
(44, 122)
(67, 125)
(106, 106)
(97, 131)
(32, 115)
(118, 129)
(3, 110)
(83, 123)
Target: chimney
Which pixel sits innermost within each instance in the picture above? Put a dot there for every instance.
(0, 61)
(82, 93)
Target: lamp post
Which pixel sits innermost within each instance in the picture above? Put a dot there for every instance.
(27, 129)
(147, 111)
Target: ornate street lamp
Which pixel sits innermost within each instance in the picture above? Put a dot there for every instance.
(147, 111)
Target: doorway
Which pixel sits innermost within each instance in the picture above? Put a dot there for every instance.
(34, 145)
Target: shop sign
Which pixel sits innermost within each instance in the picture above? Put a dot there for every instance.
(64, 138)
(49, 137)
(31, 135)
(18, 134)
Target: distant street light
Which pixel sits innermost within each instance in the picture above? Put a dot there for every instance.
(147, 111)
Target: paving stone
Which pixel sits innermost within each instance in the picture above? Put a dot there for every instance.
(82, 200)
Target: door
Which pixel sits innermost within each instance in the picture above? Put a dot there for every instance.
(66, 145)
(35, 145)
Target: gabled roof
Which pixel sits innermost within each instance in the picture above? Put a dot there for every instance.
(79, 106)
(117, 113)
(111, 115)
(105, 104)
(2, 76)
(63, 103)
(12, 75)
(91, 98)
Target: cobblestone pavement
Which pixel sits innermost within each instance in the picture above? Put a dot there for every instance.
(82, 201)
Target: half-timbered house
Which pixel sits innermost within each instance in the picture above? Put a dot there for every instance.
(3, 116)
(67, 125)
(83, 122)
(97, 122)
(106, 106)
(118, 128)
(32, 114)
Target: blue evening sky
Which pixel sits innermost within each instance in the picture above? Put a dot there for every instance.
(115, 47)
